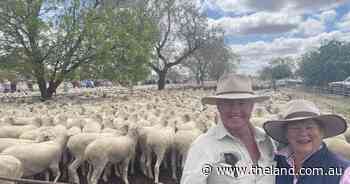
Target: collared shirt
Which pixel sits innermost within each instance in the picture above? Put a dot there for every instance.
(287, 152)
(206, 156)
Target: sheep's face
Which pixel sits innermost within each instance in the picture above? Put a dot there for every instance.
(45, 135)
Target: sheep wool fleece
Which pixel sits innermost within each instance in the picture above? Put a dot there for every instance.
(213, 155)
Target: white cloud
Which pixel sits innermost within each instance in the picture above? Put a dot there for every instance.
(328, 16)
(255, 55)
(258, 23)
(344, 23)
(276, 5)
(311, 27)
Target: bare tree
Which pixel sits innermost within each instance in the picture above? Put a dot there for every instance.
(181, 32)
(212, 59)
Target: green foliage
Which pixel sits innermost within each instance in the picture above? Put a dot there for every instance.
(50, 39)
(330, 62)
(279, 68)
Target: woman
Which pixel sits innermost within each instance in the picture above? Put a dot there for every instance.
(306, 157)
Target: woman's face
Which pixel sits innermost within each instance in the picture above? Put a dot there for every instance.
(304, 137)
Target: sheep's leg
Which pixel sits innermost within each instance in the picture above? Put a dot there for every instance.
(106, 173)
(165, 163)
(47, 176)
(56, 171)
(149, 162)
(125, 167)
(84, 168)
(160, 157)
(132, 163)
(173, 163)
(143, 163)
(89, 172)
(96, 174)
(73, 170)
(117, 170)
(184, 157)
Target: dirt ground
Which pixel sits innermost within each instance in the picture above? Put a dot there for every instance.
(326, 102)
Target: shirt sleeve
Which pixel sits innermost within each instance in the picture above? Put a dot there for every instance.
(197, 163)
(345, 179)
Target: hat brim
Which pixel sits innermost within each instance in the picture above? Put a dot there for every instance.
(211, 100)
(332, 124)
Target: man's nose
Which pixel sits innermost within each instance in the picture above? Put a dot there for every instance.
(235, 107)
(303, 131)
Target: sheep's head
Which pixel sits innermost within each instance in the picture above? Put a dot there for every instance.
(133, 130)
(201, 125)
(9, 120)
(107, 123)
(46, 134)
(186, 118)
(37, 121)
(98, 118)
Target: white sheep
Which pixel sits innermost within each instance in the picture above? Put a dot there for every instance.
(338, 146)
(184, 138)
(160, 141)
(8, 142)
(11, 167)
(77, 145)
(14, 131)
(37, 157)
(116, 150)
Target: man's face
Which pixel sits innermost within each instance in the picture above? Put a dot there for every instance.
(235, 114)
(304, 137)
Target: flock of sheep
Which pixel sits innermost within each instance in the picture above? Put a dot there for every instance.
(87, 140)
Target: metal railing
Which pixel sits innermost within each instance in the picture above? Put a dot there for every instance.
(29, 181)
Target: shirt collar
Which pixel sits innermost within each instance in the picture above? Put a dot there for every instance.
(221, 132)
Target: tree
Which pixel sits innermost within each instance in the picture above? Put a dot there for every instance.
(181, 30)
(212, 59)
(330, 62)
(50, 39)
(278, 68)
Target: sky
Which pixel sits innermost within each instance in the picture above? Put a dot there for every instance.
(260, 30)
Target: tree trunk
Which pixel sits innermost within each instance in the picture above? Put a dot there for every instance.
(161, 80)
(47, 92)
(198, 80)
(42, 87)
(52, 88)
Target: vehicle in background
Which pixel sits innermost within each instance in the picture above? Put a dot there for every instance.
(339, 86)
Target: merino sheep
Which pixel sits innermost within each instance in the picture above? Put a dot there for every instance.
(14, 131)
(37, 157)
(77, 145)
(114, 150)
(160, 141)
(338, 146)
(11, 167)
(184, 138)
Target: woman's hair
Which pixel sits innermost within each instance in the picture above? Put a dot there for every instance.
(316, 121)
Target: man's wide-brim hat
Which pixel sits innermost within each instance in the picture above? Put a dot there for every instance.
(234, 87)
(301, 110)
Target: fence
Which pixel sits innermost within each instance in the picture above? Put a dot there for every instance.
(342, 91)
(28, 181)
(100, 92)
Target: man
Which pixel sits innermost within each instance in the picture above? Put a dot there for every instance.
(233, 142)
